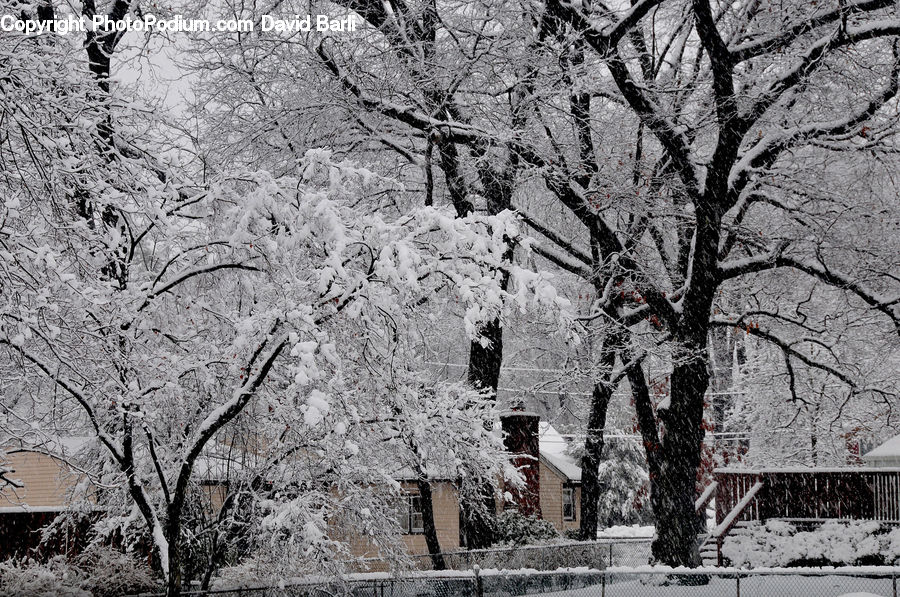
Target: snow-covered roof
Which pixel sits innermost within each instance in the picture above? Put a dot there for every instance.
(553, 448)
(889, 450)
(405, 473)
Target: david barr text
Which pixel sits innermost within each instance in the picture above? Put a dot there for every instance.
(306, 23)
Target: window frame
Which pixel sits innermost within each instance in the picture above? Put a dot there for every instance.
(569, 491)
(410, 517)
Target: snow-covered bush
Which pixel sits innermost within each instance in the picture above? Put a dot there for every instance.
(98, 572)
(778, 543)
(513, 528)
(110, 572)
(30, 578)
(891, 547)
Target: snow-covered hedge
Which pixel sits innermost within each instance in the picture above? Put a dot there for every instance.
(34, 579)
(99, 572)
(777, 543)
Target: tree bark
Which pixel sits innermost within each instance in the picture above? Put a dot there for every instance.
(590, 462)
(673, 491)
(485, 361)
(593, 447)
(173, 536)
(476, 520)
(173, 587)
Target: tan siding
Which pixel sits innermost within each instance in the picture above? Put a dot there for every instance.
(446, 521)
(47, 481)
(212, 497)
(551, 500)
(551, 496)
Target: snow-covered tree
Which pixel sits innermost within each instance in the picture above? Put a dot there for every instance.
(686, 144)
(174, 310)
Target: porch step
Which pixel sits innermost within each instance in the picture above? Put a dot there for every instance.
(709, 554)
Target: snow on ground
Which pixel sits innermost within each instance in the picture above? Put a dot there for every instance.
(771, 586)
(621, 531)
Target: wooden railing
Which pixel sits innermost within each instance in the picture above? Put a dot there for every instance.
(813, 494)
(724, 527)
(704, 498)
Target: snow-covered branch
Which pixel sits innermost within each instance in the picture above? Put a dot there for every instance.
(818, 270)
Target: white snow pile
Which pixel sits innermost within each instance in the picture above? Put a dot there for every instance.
(627, 531)
(778, 543)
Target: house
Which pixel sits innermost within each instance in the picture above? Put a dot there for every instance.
(43, 481)
(560, 481)
(887, 454)
(552, 489)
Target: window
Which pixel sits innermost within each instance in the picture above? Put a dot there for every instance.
(411, 520)
(568, 503)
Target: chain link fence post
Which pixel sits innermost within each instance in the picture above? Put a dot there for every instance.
(479, 585)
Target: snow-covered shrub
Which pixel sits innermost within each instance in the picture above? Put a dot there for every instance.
(99, 572)
(891, 546)
(513, 528)
(110, 572)
(835, 543)
(30, 578)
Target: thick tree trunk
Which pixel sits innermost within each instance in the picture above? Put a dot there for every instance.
(173, 587)
(675, 488)
(590, 462)
(429, 528)
(476, 520)
(673, 491)
(593, 446)
(173, 534)
(483, 373)
(485, 361)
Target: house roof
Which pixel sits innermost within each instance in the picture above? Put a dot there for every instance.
(889, 450)
(552, 445)
(212, 466)
(553, 448)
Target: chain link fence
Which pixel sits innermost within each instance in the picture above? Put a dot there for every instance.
(588, 554)
(618, 582)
